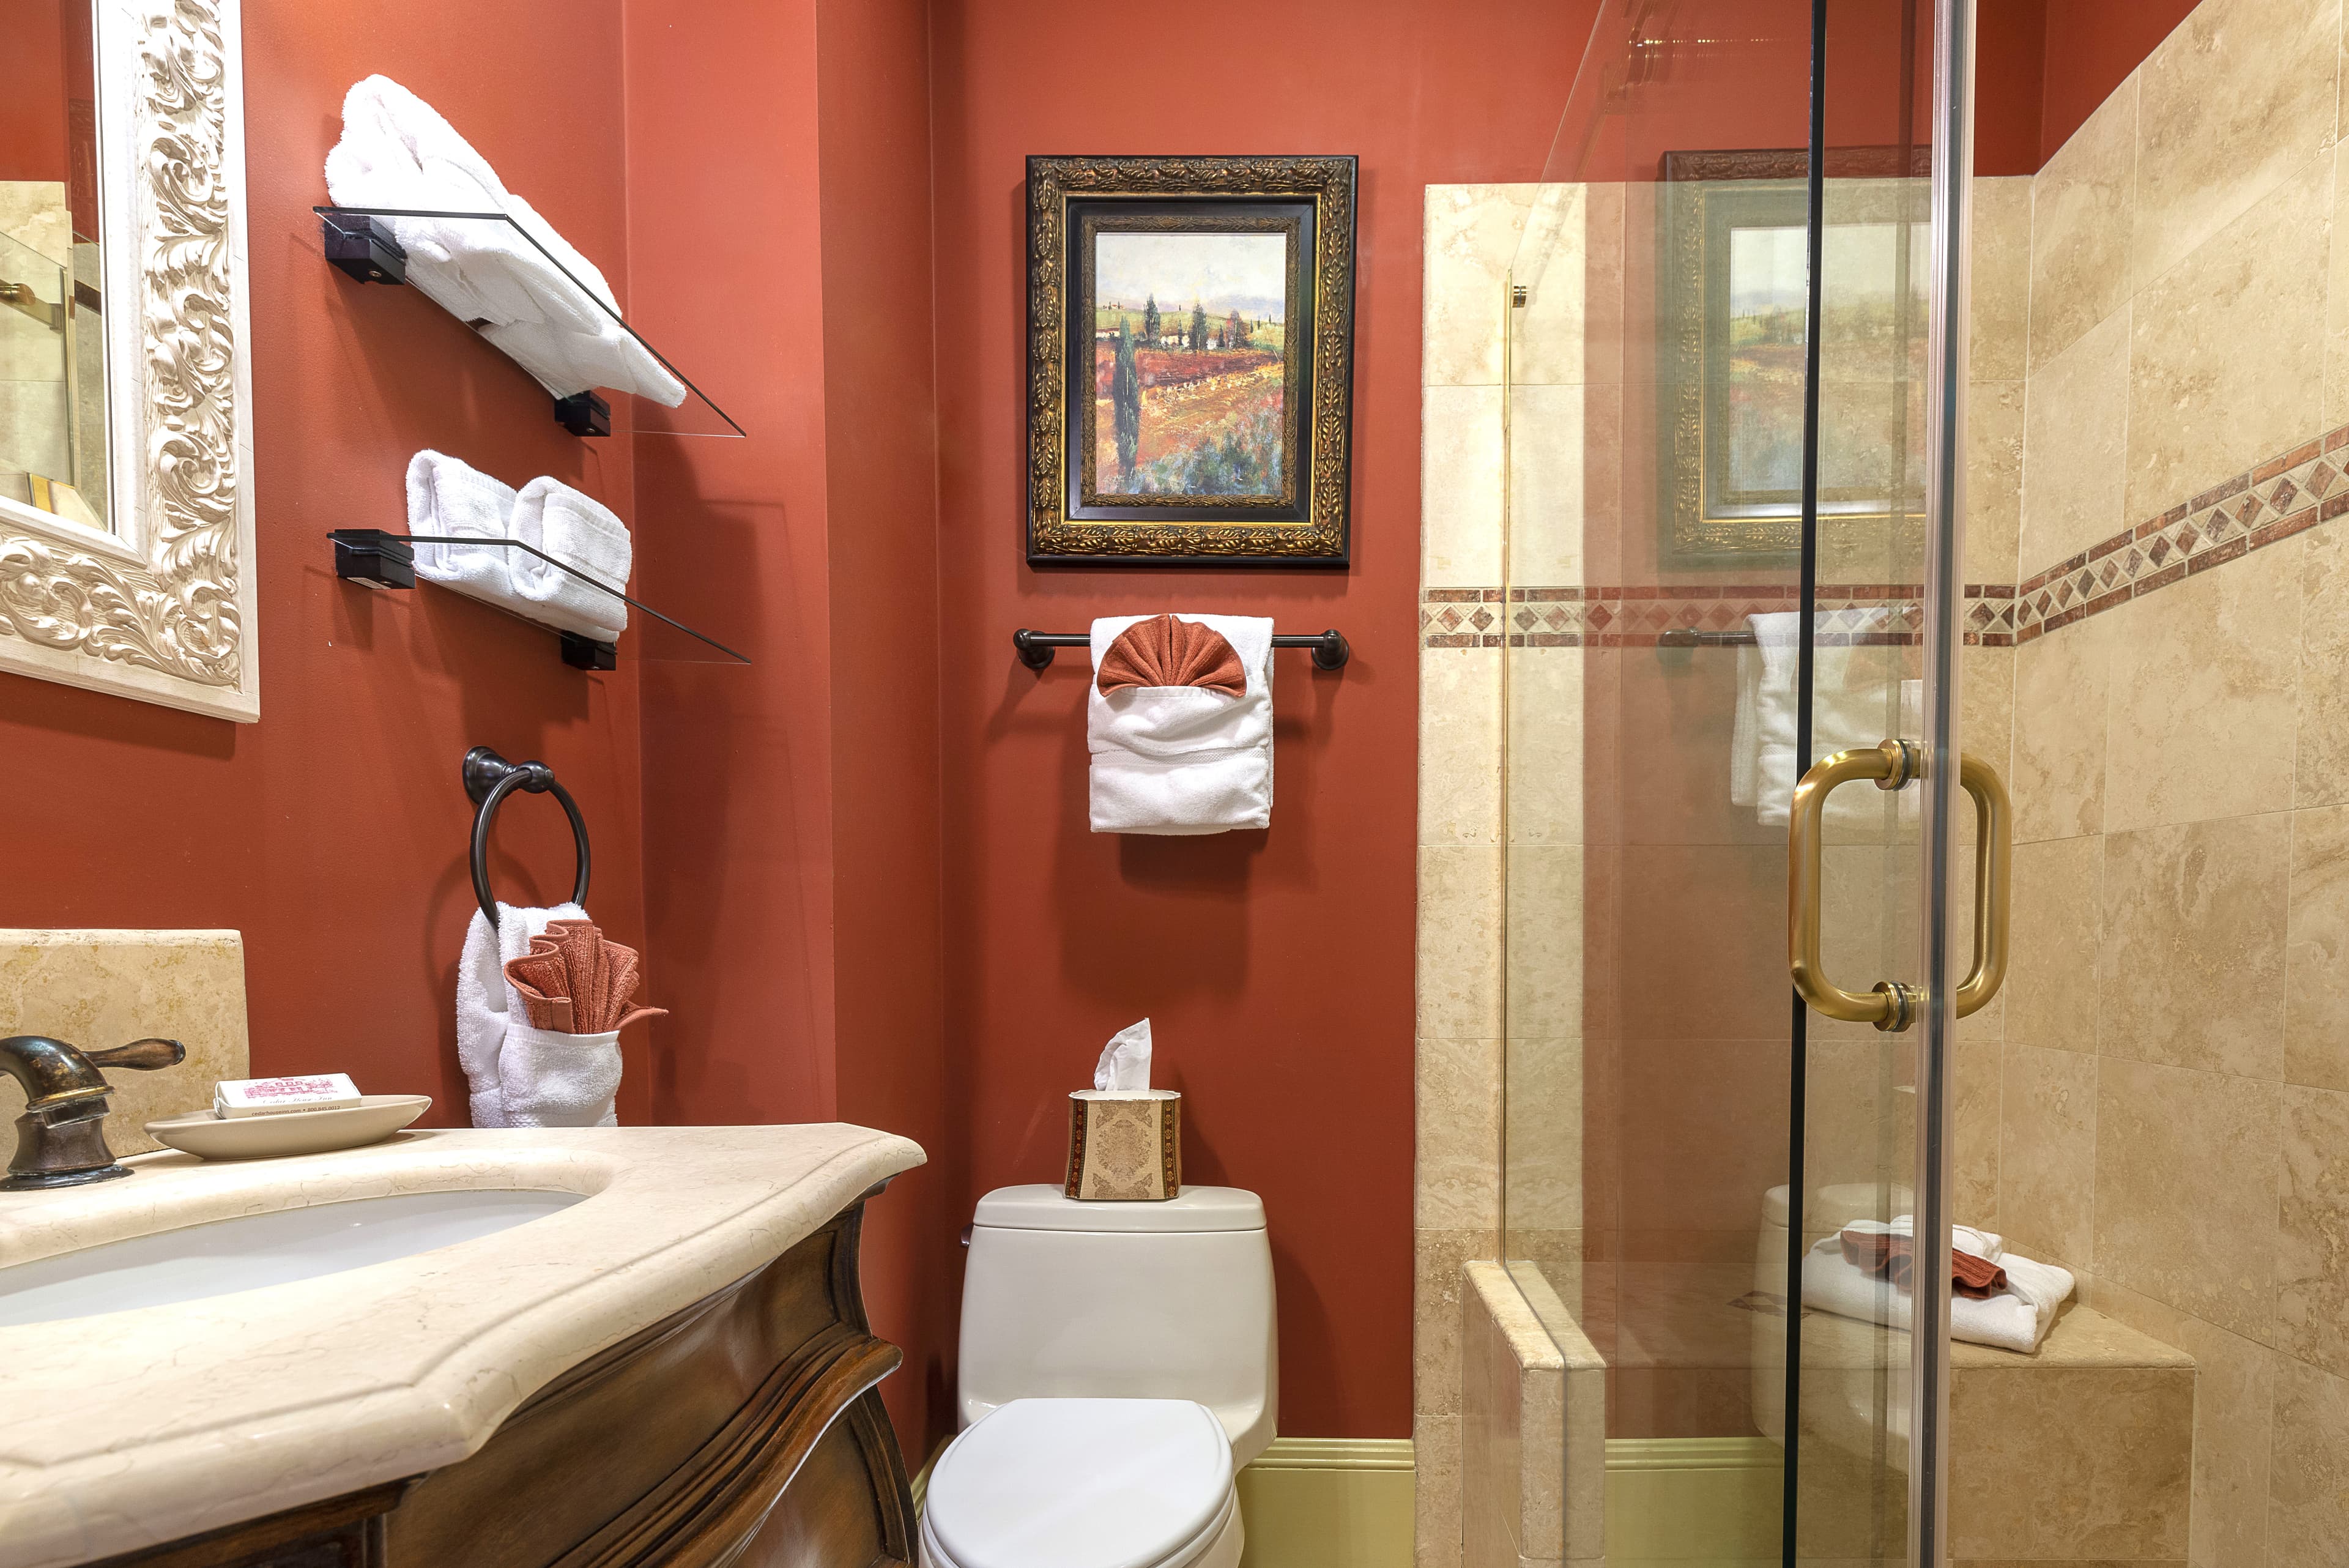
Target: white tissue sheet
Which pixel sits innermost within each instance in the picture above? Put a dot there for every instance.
(1125, 1060)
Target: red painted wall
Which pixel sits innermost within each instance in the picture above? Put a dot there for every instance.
(872, 108)
(33, 107)
(2090, 47)
(780, 225)
(1276, 966)
(334, 832)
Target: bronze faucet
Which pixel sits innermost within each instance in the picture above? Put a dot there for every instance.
(61, 1136)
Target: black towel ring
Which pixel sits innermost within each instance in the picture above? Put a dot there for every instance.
(488, 779)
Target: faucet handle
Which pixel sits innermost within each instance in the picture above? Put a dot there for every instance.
(143, 1054)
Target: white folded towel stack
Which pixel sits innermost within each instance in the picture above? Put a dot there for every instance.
(1181, 759)
(1849, 708)
(446, 496)
(552, 516)
(396, 150)
(2017, 1318)
(521, 1076)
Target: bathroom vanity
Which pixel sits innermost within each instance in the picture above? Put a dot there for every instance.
(651, 1349)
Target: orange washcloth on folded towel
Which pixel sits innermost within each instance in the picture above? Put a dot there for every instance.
(572, 981)
(1167, 651)
(1890, 1256)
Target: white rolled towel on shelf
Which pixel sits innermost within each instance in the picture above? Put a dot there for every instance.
(552, 516)
(448, 497)
(543, 304)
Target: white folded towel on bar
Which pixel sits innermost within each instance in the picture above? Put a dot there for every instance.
(2015, 1319)
(1183, 760)
(1849, 708)
(582, 532)
(521, 1076)
(396, 150)
(446, 496)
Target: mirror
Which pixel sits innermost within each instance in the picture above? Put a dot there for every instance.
(126, 513)
(53, 446)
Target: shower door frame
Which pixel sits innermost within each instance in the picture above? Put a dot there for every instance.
(1945, 485)
(1936, 967)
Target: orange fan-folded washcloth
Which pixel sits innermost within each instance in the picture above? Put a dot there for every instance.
(572, 981)
(1166, 651)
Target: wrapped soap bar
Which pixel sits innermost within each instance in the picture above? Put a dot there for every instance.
(275, 1097)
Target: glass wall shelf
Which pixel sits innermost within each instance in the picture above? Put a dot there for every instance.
(542, 305)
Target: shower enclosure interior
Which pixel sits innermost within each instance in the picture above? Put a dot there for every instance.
(1720, 540)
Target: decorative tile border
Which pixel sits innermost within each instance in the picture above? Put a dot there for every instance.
(1628, 616)
(2287, 495)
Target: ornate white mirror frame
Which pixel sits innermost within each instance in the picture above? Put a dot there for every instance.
(160, 606)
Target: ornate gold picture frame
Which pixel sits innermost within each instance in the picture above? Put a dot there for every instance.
(1190, 360)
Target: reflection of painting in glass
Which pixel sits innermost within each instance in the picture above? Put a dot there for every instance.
(1190, 351)
(1867, 408)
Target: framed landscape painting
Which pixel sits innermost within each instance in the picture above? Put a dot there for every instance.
(1190, 337)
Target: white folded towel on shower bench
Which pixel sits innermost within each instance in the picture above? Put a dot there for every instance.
(1181, 759)
(396, 150)
(2017, 1318)
(446, 496)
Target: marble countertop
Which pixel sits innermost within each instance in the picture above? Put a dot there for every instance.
(127, 1431)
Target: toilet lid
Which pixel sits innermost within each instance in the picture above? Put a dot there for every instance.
(1080, 1483)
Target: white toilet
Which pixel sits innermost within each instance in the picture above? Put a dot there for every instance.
(1119, 1367)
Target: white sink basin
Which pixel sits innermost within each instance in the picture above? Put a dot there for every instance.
(255, 1250)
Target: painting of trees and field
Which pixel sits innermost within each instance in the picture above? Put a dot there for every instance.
(1190, 356)
(1872, 357)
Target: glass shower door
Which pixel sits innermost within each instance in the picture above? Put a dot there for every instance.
(1731, 515)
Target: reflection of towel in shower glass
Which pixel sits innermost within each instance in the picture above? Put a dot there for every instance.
(1850, 706)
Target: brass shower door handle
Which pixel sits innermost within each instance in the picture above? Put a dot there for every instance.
(1892, 1005)
(1993, 881)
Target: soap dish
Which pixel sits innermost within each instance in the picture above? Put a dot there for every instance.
(207, 1137)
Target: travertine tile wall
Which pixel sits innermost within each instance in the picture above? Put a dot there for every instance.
(1533, 1427)
(1472, 233)
(2173, 1102)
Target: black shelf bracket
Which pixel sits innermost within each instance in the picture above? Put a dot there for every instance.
(584, 414)
(363, 248)
(1331, 649)
(380, 559)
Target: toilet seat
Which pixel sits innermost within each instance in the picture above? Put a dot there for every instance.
(1085, 1483)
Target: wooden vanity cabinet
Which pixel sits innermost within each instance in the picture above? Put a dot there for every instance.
(746, 1429)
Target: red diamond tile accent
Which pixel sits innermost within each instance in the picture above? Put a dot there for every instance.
(2322, 479)
(2282, 495)
(1481, 620)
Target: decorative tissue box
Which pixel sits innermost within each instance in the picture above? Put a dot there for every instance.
(1126, 1145)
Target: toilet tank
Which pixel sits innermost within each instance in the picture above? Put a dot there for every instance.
(1142, 1301)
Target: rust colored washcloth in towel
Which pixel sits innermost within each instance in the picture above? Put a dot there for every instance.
(572, 981)
(1893, 1258)
(1167, 651)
